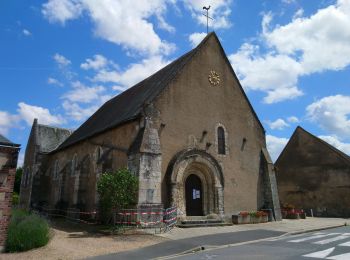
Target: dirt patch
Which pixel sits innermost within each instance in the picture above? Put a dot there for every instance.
(76, 241)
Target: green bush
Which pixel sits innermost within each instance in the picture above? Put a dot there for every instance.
(26, 231)
(15, 198)
(117, 190)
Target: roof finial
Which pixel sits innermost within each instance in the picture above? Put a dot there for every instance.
(207, 15)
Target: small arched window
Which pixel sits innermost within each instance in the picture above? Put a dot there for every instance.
(221, 140)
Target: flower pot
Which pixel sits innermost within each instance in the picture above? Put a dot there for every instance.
(239, 219)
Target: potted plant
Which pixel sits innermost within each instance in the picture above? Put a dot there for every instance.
(242, 217)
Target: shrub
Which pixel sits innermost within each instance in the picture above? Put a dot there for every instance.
(26, 231)
(15, 198)
(117, 190)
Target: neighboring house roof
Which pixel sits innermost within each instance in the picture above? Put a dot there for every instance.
(7, 142)
(128, 105)
(299, 129)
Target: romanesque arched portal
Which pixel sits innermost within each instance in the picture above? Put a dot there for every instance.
(203, 166)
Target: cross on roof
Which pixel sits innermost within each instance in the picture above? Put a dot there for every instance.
(207, 15)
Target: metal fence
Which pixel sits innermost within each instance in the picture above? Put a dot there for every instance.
(151, 220)
(155, 220)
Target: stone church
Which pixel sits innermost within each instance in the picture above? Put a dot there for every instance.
(312, 174)
(188, 132)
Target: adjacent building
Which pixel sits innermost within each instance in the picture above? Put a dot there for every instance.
(188, 132)
(8, 163)
(312, 174)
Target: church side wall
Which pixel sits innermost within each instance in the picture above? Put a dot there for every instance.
(79, 189)
(312, 176)
(191, 105)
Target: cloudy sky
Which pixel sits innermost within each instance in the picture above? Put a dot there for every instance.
(61, 59)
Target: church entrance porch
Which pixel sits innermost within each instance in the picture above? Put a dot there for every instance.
(193, 190)
(196, 183)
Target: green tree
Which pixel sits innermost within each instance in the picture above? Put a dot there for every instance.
(117, 190)
(18, 177)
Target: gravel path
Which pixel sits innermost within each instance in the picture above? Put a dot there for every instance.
(74, 242)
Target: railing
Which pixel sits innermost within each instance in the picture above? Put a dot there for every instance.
(155, 220)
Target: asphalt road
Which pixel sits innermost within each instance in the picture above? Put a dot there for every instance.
(328, 244)
(179, 246)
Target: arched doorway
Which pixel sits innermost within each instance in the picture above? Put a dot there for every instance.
(193, 194)
(208, 174)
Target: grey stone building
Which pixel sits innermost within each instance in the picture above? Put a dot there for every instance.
(188, 132)
(312, 174)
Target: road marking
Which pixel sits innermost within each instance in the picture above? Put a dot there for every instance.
(340, 257)
(312, 237)
(321, 254)
(345, 244)
(330, 240)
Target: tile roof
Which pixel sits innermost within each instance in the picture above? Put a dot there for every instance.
(128, 105)
(7, 142)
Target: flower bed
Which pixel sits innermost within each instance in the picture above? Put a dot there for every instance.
(253, 217)
(291, 213)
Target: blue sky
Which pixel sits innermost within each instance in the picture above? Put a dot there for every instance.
(61, 59)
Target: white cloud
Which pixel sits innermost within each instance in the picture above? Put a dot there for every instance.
(293, 119)
(62, 10)
(322, 39)
(7, 121)
(134, 73)
(119, 88)
(77, 112)
(276, 75)
(20, 160)
(278, 124)
(196, 38)
(96, 63)
(303, 46)
(114, 20)
(29, 112)
(83, 94)
(61, 60)
(53, 81)
(275, 145)
(219, 10)
(299, 13)
(332, 114)
(26, 32)
(334, 141)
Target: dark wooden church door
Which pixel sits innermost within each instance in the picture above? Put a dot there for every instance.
(193, 191)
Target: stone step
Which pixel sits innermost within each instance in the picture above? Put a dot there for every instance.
(202, 223)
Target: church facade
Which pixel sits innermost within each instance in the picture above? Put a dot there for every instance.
(188, 132)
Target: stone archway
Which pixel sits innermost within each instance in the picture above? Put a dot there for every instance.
(206, 168)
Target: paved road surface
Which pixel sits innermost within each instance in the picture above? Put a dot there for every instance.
(178, 246)
(328, 244)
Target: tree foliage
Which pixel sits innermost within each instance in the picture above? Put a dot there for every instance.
(18, 177)
(117, 190)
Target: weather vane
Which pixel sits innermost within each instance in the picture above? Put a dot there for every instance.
(207, 15)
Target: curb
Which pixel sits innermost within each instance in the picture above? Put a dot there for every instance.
(209, 248)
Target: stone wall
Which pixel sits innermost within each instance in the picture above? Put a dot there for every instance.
(191, 109)
(75, 186)
(314, 175)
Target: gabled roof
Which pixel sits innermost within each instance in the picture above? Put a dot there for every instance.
(299, 129)
(7, 142)
(128, 105)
